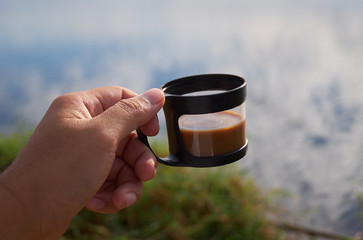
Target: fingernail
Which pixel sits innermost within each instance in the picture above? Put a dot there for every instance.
(130, 198)
(154, 96)
(96, 204)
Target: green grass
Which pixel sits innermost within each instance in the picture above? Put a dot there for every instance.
(179, 203)
(10, 146)
(185, 203)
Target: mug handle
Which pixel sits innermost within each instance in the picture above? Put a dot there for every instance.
(170, 160)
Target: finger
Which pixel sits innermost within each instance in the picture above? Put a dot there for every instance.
(145, 167)
(131, 113)
(118, 164)
(98, 100)
(112, 201)
(140, 158)
(151, 128)
(127, 194)
(102, 203)
(102, 200)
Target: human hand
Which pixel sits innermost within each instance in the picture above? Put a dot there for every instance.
(83, 153)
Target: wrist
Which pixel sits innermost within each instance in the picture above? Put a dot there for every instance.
(13, 215)
(20, 215)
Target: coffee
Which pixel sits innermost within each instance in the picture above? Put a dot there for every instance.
(213, 134)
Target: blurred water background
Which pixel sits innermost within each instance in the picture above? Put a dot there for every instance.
(302, 60)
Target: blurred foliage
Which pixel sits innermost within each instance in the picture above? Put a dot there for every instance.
(185, 203)
(11, 144)
(360, 199)
(179, 203)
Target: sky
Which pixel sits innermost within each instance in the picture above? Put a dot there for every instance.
(302, 62)
(94, 43)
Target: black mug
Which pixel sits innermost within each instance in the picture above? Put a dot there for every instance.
(205, 118)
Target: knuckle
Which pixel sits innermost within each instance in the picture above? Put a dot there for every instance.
(132, 107)
(63, 100)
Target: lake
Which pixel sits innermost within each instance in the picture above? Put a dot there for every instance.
(302, 62)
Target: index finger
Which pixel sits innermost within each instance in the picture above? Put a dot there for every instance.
(140, 158)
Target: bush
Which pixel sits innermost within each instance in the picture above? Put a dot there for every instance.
(185, 203)
(10, 146)
(179, 203)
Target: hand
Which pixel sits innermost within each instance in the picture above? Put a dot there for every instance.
(83, 153)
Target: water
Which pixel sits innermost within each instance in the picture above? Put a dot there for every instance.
(302, 62)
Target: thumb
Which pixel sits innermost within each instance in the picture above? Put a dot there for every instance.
(130, 113)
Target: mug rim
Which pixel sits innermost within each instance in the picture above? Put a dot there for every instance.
(203, 82)
(176, 99)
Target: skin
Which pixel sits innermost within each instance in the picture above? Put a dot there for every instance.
(83, 153)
